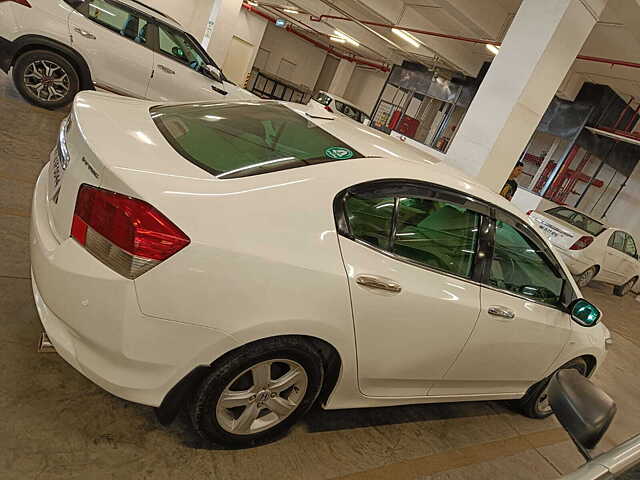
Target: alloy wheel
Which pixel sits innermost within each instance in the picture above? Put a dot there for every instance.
(261, 397)
(586, 277)
(628, 286)
(46, 80)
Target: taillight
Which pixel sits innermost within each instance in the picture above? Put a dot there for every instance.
(582, 242)
(126, 234)
(19, 2)
(529, 212)
(328, 109)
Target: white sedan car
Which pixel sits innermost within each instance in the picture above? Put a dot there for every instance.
(591, 249)
(248, 259)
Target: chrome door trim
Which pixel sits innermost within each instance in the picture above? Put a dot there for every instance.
(500, 311)
(379, 283)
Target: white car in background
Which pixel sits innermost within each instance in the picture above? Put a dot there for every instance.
(591, 249)
(334, 104)
(248, 259)
(58, 47)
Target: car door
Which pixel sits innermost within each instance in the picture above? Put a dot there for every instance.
(113, 39)
(522, 326)
(180, 69)
(614, 259)
(409, 254)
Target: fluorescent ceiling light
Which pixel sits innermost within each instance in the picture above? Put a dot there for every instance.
(406, 36)
(337, 39)
(346, 37)
(290, 10)
(493, 49)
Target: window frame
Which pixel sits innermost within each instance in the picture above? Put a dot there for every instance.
(633, 242)
(611, 242)
(485, 245)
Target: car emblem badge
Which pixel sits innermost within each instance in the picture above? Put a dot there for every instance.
(338, 153)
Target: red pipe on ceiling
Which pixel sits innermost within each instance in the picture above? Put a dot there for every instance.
(609, 61)
(289, 28)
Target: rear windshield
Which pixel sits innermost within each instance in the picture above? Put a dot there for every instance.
(350, 111)
(244, 139)
(322, 98)
(577, 219)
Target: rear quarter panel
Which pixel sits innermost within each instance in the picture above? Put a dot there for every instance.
(46, 17)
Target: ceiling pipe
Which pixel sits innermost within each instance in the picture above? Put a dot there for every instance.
(316, 43)
(608, 61)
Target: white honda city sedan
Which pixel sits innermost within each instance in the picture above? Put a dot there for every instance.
(591, 249)
(246, 260)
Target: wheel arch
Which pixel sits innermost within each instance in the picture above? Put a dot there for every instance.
(27, 43)
(592, 363)
(181, 392)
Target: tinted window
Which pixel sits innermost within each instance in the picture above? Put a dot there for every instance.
(323, 98)
(578, 220)
(349, 111)
(518, 266)
(239, 140)
(617, 241)
(437, 234)
(370, 218)
(179, 46)
(630, 246)
(127, 23)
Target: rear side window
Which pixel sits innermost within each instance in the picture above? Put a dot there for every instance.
(518, 266)
(617, 241)
(436, 234)
(322, 98)
(630, 246)
(240, 140)
(127, 23)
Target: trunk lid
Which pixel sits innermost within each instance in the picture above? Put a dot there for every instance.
(561, 234)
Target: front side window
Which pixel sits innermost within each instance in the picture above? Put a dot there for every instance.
(630, 246)
(240, 140)
(617, 241)
(120, 20)
(436, 234)
(181, 48)
(520, 267)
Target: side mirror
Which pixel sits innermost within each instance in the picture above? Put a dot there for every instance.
(584, 313)
(584, 410)
(214, 72)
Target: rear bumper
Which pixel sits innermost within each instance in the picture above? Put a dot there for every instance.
(92, 317)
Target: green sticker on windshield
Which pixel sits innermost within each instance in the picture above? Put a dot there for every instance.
(338, 153)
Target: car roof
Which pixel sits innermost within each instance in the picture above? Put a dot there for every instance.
(152, 12)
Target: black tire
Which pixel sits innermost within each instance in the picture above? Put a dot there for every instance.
(530, 404)
(622, 290)
(64, 82)
(585, 277)
(203, 407)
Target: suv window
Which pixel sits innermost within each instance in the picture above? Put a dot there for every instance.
(436, 234)
(370, 218)
(519, 266)
(181, 48)
(617, 241)
(630, 246)
(349, 111)
(127, 23)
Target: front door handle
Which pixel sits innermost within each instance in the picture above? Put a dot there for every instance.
(166, 70)
(219, 90)
(84, 33)
(498, 311)
(378, 283)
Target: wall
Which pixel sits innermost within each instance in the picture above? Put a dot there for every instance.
(326, 73)
(191, 14)
(249, 28)
(624, 212)
(307, 58)
(364, 88)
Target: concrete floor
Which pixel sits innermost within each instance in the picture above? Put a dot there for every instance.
(56, 424)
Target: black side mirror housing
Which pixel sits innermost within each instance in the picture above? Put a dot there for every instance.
(584, 410)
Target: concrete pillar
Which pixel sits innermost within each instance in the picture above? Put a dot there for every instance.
(536, 54)
(220, 28)
(341, 78)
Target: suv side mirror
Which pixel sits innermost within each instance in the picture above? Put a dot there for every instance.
(214, 72)
(584, 313)
(584, 410)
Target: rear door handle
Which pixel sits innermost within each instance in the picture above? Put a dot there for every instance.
(84, 33)
(166, 70)
(378, 283)
(503, 312)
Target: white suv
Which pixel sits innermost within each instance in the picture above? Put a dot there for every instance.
(58, 47)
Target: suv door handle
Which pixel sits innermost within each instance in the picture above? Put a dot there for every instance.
(498, 311)
(378, 283)
(84, 33)
(166, 70)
